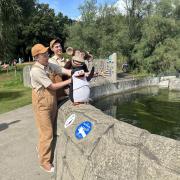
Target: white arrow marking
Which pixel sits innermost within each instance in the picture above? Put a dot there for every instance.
(81, 131)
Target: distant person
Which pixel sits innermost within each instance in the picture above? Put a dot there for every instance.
(125, 67)
(44, 101)
(19, 61)
(5, 67)
(14, 64)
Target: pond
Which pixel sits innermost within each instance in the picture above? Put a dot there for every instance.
(156, 110)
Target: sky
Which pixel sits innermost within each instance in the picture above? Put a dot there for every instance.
(70, 7)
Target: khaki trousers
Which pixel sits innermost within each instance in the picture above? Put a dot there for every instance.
(45, 109)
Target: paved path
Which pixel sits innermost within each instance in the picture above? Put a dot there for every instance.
(18, 137)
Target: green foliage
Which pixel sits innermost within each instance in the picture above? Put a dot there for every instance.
(10, 13)
(41, 27)
(158, 47)
(147, 36)
(24, 23)
(44, 25)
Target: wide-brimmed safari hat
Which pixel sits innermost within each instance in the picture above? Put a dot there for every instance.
(78, 59)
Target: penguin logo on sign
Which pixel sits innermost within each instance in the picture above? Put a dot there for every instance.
(70, 120)
(83, 129)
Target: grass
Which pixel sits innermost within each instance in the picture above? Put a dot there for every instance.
(12, 92)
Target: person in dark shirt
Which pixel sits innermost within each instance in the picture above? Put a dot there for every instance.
(79, 87)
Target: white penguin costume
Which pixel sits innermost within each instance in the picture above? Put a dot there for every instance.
(79, 88)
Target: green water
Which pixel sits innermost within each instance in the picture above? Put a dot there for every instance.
(155, 110)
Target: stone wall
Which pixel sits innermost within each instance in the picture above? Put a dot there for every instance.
(103, 87)
(26, 76)
(113, 150)
(174, 84)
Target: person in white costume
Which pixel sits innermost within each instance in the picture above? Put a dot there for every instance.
(79, 88)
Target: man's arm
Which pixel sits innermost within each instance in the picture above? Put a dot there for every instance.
(66, 71)
(55, 86)
(60, 70)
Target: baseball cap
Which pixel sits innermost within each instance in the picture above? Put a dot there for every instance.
(38, 49)
(53, 42)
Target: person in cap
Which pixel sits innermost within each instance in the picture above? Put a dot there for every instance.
(44, 101)
(56, 48)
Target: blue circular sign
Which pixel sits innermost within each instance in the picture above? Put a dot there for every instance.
(83, 129)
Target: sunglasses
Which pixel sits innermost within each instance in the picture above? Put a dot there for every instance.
(46, 54)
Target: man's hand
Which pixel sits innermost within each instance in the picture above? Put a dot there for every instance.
(66, 71)
(55, 86)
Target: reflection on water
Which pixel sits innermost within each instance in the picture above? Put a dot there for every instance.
(153, 109)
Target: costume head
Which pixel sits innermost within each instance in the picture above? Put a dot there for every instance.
(77, 61)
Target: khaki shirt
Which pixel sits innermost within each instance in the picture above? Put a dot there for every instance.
(40, 75)
(57, 60)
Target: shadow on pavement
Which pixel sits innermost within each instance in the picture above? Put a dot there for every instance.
(4, 126)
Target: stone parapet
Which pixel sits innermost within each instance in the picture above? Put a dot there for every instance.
(113, 150)
(174, 84)
(103, 87)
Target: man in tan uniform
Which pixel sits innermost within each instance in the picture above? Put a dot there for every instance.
(55, 46)
(44, 101)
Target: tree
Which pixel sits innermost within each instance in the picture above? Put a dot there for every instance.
(83, 33)
(97, 30)
(27, 11)
(24, 23)
(142, 36)
(10, 13)
(152, 52)
(42, 27)
(88, 11)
